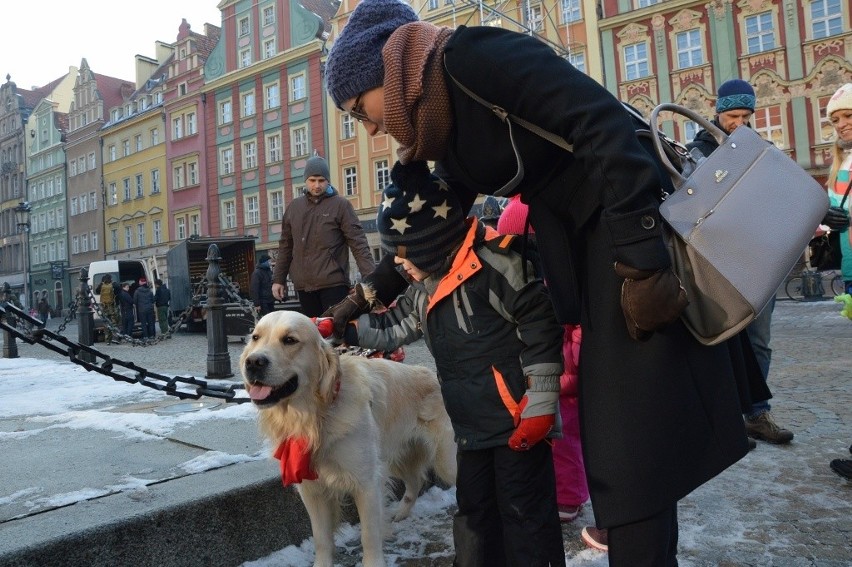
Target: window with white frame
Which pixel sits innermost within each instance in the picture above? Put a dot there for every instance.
(140, 233)
(35, 257)
(93, 201)
(268, 14)
(534, 17)
(155, 136)
(226, 161)
(571, 11)
(61, 250)
(113, 236)
(51, 218)
(191, 124)
(636, 61)
(75, 247)
(382, 174)
(126, 183)
(297, 87)
(269, 48)
(112, 154)
(273, 147)
(646, 3)
(140, 186)
(113, 194)
(251, 205)
(126, 145)
(81, 161)
(760, 32)
(138, 142)
(225, 112)
(155, 181)
(271, 96)
(72, 167)
(180, 227)
(350, 180)
(433, 4)
(249, 154)
(689, 51)
(229, 214)
(177, 127)
(347, 126)
(179, 176)
(58, 185)
(192, 173)
(128, 237)
(299, 141)
(578, 60)
(92, 162)
(194, 224)
(826, 18)
(767, 122)
(276, 205)
(93, 238)
(247, 104)
(74, 207)
(60, 217)
(84, 205)
(157, 229)
(245, 57)
(243, 27)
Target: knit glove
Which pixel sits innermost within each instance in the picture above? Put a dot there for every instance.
(536, 414)
(836, 219)
(353, 305)
(325, 325)
(650, 300)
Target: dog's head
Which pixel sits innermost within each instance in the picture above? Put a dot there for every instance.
(286, 360)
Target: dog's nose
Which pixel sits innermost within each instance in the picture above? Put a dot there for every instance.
(257, 362)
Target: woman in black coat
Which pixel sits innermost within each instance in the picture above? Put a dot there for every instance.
(660, 413)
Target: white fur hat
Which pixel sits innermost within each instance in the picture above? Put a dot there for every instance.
(841, 100)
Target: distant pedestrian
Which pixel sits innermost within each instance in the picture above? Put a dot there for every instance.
(108, 291)
(125, 302)
(317, 232)
(143, 300)
(261, 287)
(43, 310)
(162, 299)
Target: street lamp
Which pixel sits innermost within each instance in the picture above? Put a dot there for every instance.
(22, 217)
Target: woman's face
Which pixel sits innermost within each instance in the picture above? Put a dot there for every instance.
(369, 110)
(842, 122)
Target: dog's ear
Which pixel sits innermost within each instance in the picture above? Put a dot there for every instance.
(329, 362)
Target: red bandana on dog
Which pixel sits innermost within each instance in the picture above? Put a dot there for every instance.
(295, 461)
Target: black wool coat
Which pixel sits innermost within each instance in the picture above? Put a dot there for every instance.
(658, 418)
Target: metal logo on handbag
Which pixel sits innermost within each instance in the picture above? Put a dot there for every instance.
(737, 225)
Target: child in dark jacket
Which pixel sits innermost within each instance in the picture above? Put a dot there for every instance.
(498, 352)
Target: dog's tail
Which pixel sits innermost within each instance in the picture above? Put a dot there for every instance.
(446, 465)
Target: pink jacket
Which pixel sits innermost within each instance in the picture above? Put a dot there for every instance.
(571, 354)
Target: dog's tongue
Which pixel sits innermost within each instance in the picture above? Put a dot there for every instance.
(259, 392)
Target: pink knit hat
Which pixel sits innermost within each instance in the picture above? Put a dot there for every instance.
(514, 217)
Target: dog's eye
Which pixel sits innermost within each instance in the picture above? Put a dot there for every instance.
(288, 340)
(255, 337)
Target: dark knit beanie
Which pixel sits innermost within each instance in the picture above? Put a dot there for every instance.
(421, 213)
(354, 64)
(317, 166)
(735, 94)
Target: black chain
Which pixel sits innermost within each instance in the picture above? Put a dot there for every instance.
(183, 387)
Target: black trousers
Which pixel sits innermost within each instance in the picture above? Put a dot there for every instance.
(314, 303)
(507, 509)
(651, 542)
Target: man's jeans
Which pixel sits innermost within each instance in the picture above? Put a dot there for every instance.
(758, 333)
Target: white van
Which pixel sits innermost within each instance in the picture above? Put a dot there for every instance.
(129, 271)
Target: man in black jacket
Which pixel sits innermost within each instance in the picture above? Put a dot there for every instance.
(734, 108)
(162, 298)
(261, 287)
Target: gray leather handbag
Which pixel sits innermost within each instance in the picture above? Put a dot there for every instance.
(738, 224)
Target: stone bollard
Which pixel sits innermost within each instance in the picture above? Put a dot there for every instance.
(10, 345)
(218, 357)
(85, 317)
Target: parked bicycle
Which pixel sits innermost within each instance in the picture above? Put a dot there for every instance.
(809, 285)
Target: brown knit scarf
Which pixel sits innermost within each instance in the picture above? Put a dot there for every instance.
(418, 114)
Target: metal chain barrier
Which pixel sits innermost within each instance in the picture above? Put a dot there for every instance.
(183, 387)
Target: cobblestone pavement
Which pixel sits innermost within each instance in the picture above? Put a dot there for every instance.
(780, 506)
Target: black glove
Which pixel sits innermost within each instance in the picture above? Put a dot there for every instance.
(355, 304)
(650, 300)
(836, 219)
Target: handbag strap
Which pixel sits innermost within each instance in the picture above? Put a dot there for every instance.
(846, 194)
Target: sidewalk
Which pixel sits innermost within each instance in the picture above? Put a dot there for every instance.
(781, 505)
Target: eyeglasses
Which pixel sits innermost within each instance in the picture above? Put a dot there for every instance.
(357, 111)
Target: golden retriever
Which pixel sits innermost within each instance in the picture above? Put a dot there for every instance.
(364, 420)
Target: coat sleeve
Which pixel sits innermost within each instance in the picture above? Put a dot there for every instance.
(392, 328)
(528, 79)
(285, 252)
(353, 232)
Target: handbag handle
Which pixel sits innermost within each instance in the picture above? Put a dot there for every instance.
(717, 133)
